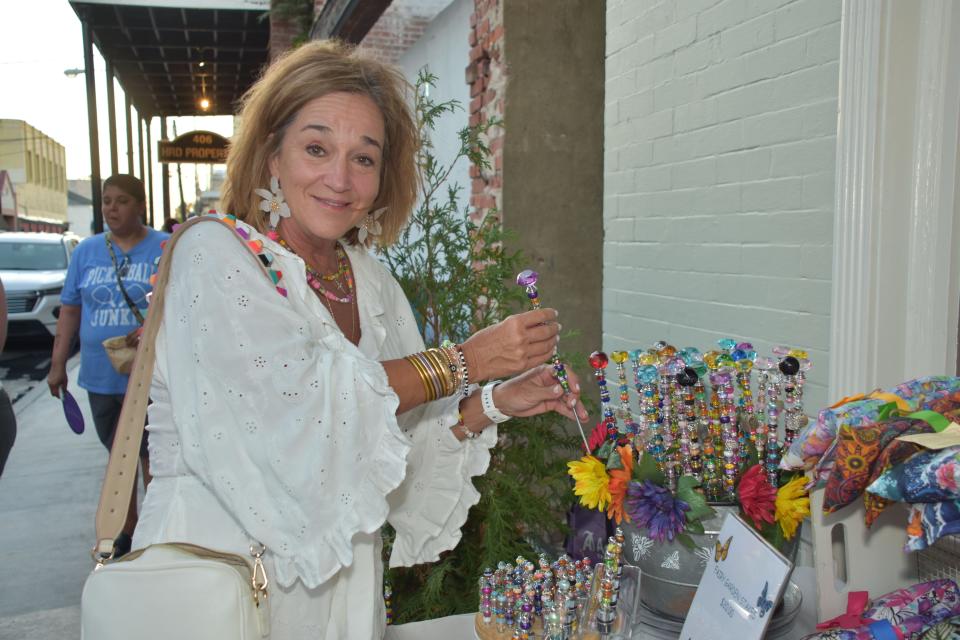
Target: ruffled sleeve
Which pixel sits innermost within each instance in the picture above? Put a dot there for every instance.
(288, 424)
(429, 508)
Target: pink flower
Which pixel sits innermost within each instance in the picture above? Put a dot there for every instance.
(757, 496)
(947, 476)
(597, 436)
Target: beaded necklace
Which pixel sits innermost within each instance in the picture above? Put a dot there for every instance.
(316, 279)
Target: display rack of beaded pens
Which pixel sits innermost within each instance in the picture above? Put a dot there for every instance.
(563, 600)
(697, 414)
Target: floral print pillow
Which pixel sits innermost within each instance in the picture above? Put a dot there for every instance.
(913, 611)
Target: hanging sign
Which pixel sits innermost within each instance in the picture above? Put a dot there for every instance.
(194, 146)
(744, 580)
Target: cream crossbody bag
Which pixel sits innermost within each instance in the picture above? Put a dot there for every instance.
(170, 590)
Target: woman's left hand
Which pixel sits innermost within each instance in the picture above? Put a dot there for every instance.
(537, 391)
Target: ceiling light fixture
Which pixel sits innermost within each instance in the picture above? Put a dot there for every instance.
(204, 101)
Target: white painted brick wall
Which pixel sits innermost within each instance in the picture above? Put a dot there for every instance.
(720, 128)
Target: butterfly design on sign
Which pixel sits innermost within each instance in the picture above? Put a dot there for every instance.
(721, 550)
(764, 604)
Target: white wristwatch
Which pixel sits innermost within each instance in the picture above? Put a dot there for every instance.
(489, 408)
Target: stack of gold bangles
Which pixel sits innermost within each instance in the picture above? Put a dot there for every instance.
(443, 371)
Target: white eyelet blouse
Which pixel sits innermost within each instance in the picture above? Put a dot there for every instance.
(267, 424)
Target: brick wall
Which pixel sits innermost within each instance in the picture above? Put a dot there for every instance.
(487, 77)
(720, 132)
(400, 26)
(282, 32)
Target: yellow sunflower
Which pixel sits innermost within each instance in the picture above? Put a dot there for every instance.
(792, 506)
(592, 482)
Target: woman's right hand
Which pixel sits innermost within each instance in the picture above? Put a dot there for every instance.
(512, 346)
(57, 379)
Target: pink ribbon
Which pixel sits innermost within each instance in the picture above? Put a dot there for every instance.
(857, 602)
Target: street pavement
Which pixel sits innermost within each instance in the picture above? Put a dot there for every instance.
(48, 498)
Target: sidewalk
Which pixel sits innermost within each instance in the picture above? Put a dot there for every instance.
(48, 498)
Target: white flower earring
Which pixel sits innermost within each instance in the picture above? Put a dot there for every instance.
(370, 225)
(273, 203)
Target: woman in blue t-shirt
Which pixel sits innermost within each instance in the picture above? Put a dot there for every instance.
(94, 304)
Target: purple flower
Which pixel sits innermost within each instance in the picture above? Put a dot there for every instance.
(654, 507)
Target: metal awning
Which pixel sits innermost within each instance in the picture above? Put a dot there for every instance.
(169, 54)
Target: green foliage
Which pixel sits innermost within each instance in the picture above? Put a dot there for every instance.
(647, 469)
(455, 272)
(699, 509)
(299, 12)
(459, 277)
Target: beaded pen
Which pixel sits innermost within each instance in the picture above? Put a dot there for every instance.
(598, 361)
(689, 436)
(620, 359)
(764, 367)
(793, 366)
(644, 375)
(528, 280)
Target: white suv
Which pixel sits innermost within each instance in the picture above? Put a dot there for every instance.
(33, 267)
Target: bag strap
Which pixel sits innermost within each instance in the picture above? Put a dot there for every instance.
(122, 467)
(123, 290)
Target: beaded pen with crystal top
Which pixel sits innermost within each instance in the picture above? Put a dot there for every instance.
(690, 436)
(765, 369)
(486, 593)
(720, 381)
(743, 355)
(598, 361)
(632, 428)
(644, 375)
(792, 365)
(772, 416)
(388, 601)
(528, 280)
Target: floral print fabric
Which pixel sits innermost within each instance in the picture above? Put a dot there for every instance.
(912, 611)
(817, 438)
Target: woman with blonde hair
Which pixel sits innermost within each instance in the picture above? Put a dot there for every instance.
(300, 408)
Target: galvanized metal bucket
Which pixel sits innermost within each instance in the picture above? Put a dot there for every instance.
(670, 571)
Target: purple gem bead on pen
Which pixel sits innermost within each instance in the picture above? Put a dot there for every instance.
(528, 280)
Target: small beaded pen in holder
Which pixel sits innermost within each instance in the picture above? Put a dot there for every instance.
(607, 611)
(528, 280)
(388, 601)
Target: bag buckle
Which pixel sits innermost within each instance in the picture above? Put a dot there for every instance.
(258, 579)
(102, 552)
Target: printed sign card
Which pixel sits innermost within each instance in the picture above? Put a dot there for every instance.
(741, 585)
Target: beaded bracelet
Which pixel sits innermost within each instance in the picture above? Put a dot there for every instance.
(461, 425)
(465, 384)
(459, 359)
